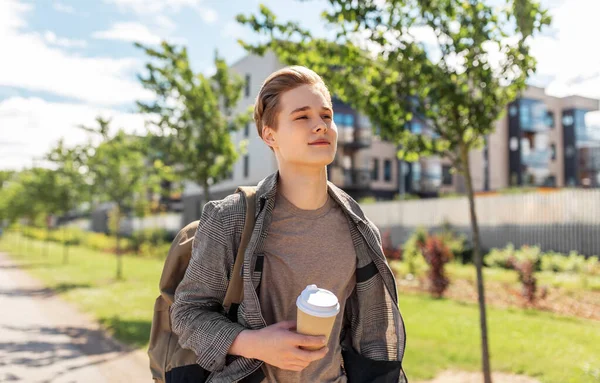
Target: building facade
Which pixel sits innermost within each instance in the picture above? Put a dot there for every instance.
(540, 141)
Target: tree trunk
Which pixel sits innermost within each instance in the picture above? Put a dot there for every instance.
(477, 256)
(65, 246)
(119, 258)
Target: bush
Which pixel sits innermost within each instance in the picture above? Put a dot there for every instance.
(390, 252)
(411, 253)
(455, 242)
(525, 267)
(592, 266)
(553, 262)
(154, 251)
(437, 254)
(502, 257)
(151, 236)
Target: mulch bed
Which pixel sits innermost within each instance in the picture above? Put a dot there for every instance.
(580, 303)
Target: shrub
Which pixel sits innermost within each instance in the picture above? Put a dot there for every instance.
(554, 262)
(500, 257)
(592, 266)
(525, 267)
(455, 242)
(390, 252)
(437, 254)
(151, 236)
(411, 252)
(154, 251)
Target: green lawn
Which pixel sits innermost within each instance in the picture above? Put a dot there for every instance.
(442, 334)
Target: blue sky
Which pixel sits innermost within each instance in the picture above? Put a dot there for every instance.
(66, 62)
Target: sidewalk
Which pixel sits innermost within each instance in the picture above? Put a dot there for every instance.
(44, 339)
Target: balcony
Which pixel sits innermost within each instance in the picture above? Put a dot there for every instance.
(539, 159)
(354, 137)
(589, 158)
(350, 178)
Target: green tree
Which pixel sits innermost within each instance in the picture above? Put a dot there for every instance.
(460, 83)
(69, 189)
(119, 172)
(195, 115)
(5, 181)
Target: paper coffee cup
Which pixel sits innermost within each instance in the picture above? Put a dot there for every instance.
(317, 309)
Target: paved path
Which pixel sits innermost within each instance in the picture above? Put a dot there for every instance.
(44, 339)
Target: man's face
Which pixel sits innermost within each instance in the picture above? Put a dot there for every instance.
(306, 134)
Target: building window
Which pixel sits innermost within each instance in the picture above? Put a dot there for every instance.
(417, 128)
(550, 119)
(247, 88)
(553, 151)
(525, 115)
(446, 175)
(375, 170)
(349, 120)
(416, 176)
(247, 130)
(387, 170)
(339, 118)
(246, 166)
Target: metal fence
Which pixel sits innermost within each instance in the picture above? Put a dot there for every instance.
(561, 220)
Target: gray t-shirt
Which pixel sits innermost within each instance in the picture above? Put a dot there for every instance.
(306, 247)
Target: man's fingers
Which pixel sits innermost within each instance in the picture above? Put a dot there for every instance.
(309, 340)
(311, 356)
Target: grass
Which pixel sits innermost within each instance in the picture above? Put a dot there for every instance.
(442, 334)
(88, 280)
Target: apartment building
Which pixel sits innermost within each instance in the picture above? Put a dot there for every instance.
(541, 140)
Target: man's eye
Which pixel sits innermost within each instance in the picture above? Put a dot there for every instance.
(327, 117)
(302, 118)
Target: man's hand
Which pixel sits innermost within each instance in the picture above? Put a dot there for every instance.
(278, 346)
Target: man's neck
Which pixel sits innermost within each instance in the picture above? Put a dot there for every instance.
(305, 188)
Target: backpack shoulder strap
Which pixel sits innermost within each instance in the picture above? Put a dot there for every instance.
(235, 292)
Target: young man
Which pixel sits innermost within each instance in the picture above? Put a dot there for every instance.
(307, 231)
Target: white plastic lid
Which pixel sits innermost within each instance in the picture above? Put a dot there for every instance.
(318, 302)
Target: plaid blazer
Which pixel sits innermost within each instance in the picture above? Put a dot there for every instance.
(374, 328)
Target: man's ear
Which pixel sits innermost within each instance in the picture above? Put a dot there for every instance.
(268, 136)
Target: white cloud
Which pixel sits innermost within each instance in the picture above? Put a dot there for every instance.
(64, 8)
(146, 7)
(208, 14)
(129, 31)
(24, 118)
(165, 22)
(568, 55)
(64, 42)
(100, 80)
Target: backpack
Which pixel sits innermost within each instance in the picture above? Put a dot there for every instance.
(168, 361)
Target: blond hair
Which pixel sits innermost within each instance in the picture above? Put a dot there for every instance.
(267, 105)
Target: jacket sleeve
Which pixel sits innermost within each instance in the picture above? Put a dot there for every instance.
(197, 314)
